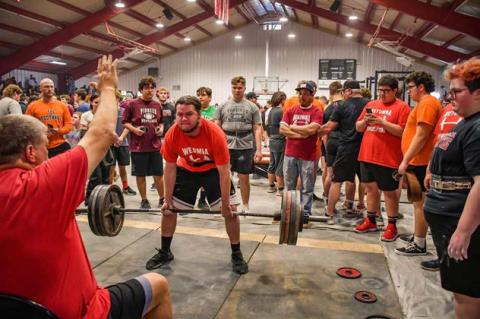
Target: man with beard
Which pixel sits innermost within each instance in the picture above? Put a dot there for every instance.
(196, 155)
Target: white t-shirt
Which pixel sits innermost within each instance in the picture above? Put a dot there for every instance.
(86, 118)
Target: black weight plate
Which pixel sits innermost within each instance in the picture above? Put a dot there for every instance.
(349, 273)
(113, 218)
(92, 202)
(292, 224)
(281, 237)
(99, 209)
(365, 296)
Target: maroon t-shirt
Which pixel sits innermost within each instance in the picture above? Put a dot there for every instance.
(148, 114)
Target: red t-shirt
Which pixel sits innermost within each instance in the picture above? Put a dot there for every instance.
(41, 250)
(196, 153)
(148, 114)
(302, 148)
(447, 121)
(379, 146)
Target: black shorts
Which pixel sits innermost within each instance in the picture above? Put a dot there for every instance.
(62, 148)
(276, 163)
(459, 277)
(420, 172)
(345, 167)
(381, 175)
(241, 161)
(188, 183)
(130, 299)
(331, 152)
(121, 155)
(147, 164)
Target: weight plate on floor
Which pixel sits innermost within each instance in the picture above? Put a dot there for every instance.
(365, 296)
(110, 216)
(349, 273)
(92, 201)
(283, 217)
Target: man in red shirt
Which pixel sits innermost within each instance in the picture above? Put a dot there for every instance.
(382, 122)
(196, 155)
(43, 256)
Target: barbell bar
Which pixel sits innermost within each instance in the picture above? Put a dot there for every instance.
(106, 213)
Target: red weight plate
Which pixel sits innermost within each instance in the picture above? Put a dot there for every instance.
(365, 296)
(349, 273)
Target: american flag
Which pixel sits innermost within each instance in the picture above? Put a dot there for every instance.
(221, 10)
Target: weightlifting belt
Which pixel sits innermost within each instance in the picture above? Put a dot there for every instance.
(445, 184)
(199, 164)
(239, 134)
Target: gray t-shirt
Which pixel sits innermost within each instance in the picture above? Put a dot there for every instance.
(9, 106)
(237, 121)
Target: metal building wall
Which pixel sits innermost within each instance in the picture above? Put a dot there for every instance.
(21, 75)
(215, 62)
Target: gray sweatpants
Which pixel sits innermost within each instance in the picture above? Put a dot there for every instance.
(292, 169)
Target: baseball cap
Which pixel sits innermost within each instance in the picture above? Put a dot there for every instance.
(251, 95)
(307, 85)
(351, 84)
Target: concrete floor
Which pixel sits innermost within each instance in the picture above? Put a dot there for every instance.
(284, 281)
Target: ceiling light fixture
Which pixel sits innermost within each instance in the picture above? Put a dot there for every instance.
(238, 37)
(120, 4)
(283, 19)
(58, 63)
(159, 25)
(292, 35)
(352, 17)
(187, 39)
(219, 21)
(349, 34)
(191, 0)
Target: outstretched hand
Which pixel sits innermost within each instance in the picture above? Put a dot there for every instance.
(107, 72)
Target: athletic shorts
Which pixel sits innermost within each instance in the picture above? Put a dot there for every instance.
(147, 164)
(276, 163)
(188, 183)
(121, 155)
(62, 148)
(462, 276)
(345, 167)
(381, 175)
(130, 299)
(420, 172)
(331, 152)
(241, 161)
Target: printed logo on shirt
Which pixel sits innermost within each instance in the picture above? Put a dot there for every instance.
(450, 118)
(51, 116)
(166, 113)
(149, 115)
(444, 140)
(196, 154)
(301, 119)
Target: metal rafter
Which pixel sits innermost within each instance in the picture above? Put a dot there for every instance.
(311, 4)
(243, 14)
(367, 18)
(421, 46)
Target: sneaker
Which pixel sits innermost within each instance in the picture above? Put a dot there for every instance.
(351, 214)
(203, 205)
(432, 265)
(315, 197)
(145, 204)
(153, 187)
(271, 189)
(360, 208)
(411, 250)
(330, 220)
(406, 238)
(239, 265)
(390, 233)
(159, 259)
(129, 191)
(379, 220)
(400, 216)
(366, 226)
(279, 193)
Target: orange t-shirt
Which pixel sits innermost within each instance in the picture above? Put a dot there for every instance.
(427, 111)
(378, 145)
(196, 153)
(54, 115)
(294, 101)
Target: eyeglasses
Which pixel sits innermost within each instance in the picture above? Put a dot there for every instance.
(453, 92)
(384, 91)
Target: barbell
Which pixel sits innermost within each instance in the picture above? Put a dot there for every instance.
(106, 213)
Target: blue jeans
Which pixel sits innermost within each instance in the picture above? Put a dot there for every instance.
(292, 169)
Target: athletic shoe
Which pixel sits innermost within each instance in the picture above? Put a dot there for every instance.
(279, 193)
(159, 259)
(330, 220)
(379, 221)
(360, 208)
(411, 249)
(351, 214)
(406, 238)
(390, 233)
(239, 265)
(145, 204)
(432, 265)
(203, 205)
(153, 187)
(366, 226)
(271, 189)
(129, 191)
(315, 197)
(400, 216)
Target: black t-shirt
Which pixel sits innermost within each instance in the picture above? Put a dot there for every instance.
(168, 112)
(346, 116)
(277, 141)
(334, 135)
(456, 157)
